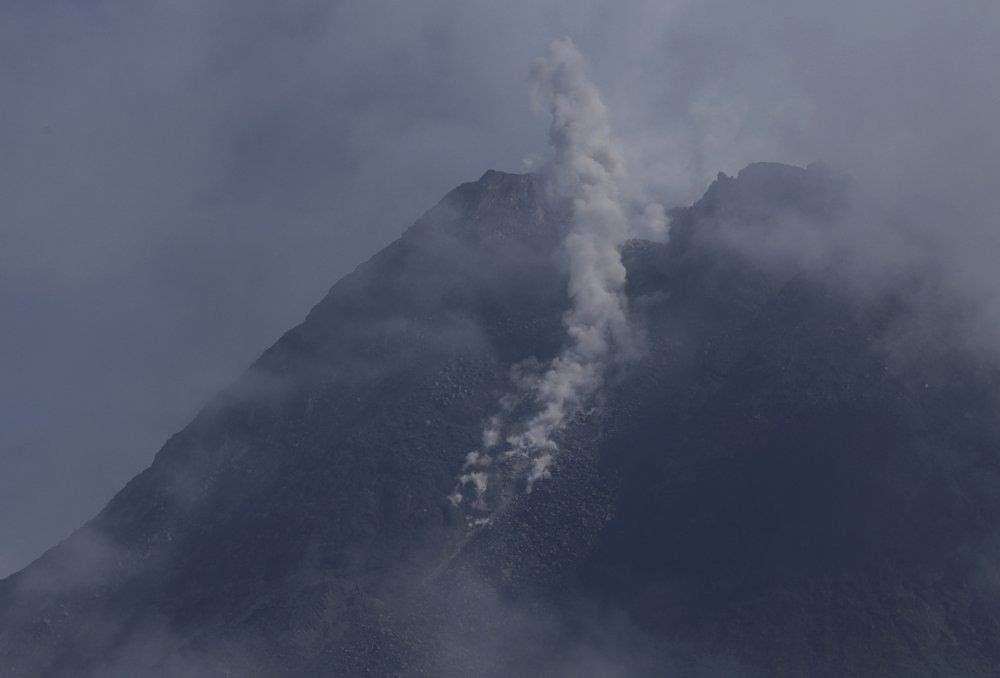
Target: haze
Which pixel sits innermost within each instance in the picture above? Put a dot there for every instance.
(181, 181)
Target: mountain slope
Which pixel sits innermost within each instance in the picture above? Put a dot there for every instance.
(781, 482)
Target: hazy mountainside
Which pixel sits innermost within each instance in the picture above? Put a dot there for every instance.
(785, 479)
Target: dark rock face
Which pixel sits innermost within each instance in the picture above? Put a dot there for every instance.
(777, 485)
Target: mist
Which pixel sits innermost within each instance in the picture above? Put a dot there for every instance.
(180, 182)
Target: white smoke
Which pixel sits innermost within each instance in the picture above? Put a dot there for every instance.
(586, 169)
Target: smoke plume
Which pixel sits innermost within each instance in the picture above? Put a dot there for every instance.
(586, 170)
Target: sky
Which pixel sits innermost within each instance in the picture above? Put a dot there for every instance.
(181, 181)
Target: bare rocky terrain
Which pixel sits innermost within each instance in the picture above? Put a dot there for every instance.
(788, 478)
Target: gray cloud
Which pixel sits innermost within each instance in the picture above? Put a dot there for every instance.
(179, 182)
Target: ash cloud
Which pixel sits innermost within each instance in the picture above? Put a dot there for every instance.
(587, 172)
(587, 169)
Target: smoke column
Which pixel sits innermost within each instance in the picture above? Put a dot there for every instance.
(587, 170)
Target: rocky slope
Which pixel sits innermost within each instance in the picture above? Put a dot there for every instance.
(785, 480)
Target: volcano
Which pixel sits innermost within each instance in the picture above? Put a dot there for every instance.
(782, 479)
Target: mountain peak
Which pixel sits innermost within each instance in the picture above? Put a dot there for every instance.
(816, 190)
(496, 177)
(499, 206)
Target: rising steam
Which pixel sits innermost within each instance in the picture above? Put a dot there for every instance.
(587, 170)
